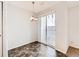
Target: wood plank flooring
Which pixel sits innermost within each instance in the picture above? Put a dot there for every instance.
(35, 49)
(73, 52)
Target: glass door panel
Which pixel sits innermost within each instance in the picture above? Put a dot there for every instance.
(43, 30)
(51, 29)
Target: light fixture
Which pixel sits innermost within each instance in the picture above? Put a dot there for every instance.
(33, 18)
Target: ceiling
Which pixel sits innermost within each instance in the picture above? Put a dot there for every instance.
(72, 3)
(40, 5)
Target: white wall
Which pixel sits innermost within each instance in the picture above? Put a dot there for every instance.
(19, 29)
(74, 26)
(39, 29)
(62, 27)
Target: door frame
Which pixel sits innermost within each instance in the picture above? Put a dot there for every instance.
(1, 35)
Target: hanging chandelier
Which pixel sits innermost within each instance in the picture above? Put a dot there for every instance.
(33, 18)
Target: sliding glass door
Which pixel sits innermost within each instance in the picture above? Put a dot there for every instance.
(48, 29)
(51, 29)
